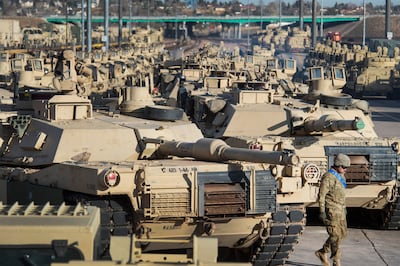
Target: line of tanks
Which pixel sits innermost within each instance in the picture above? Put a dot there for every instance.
(122, 155)
(372, 70)
(274, 113)
(218, 145)
(369, 73)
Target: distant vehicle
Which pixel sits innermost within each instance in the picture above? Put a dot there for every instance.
(334, 36)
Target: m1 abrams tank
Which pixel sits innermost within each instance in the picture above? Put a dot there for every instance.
(70, 235)
(369, 73)
(377, 76)
(317, 125)
(56, 148)
(5, 70)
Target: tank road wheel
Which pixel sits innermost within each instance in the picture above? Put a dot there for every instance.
(387, 218)
(341, 99)
(163, 113)
(393, 218)
(287, 225)
(366, 218)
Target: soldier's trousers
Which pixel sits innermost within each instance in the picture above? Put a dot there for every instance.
(337, 231)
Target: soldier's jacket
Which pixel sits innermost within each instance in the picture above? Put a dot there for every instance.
(331, 197)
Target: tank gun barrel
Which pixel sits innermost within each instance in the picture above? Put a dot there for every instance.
(208, 149)
(328, 123)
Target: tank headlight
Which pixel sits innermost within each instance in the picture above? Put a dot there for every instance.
(311, 171)
(111, 178)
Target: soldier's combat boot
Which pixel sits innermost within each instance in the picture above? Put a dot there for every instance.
(323, 257)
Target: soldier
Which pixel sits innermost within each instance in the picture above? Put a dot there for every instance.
(333, 210)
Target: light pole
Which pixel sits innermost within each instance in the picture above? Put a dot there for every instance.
(322, 20)
(106, 24)
(314, 24)
(83, 28)
(388, 32)
(119, 23)
(363, 35)
(89, 26)
(148, 13)
(261, 14)
(248, 24)
(176, 23)
(130, 17)
(66, 23)
(301, 14)
(280, 14)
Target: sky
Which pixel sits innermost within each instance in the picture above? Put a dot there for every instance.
(327, 3)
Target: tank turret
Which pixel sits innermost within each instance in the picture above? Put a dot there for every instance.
(325, 81)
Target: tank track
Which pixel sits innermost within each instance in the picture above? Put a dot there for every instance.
(114, 221)
(393, 219)
(114, 218)
(287, 225)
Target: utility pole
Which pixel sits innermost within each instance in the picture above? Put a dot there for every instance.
(105, 38)
(130, 17)
(363, 39)
(248, 25)
(66, 23)
(261, 14)
(119, 23)
(83, 27)
(322, 20)
(280, 14)
(314, 24)
(388, 32)
(148, 13)
(89, 26)
(301, 14)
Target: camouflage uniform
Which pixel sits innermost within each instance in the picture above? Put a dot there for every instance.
(332, 202)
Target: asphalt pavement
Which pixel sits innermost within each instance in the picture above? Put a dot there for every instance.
(386, 117)
(361, 247)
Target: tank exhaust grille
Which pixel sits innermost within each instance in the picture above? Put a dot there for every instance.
(383, 167)
(169, 204)
(233, 192)
(368, 163)
(224, 199)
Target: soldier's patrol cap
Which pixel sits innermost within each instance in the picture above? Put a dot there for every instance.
(342, 160)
